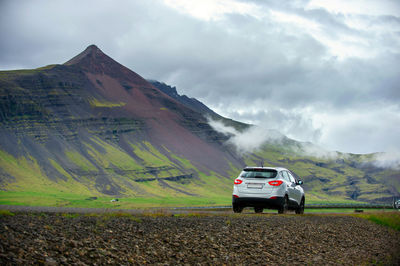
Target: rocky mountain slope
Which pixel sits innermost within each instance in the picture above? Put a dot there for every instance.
(92, 128)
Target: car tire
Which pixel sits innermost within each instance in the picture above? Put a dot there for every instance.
(237, 208)
(258, 210)
(300, 209)
(283, 209)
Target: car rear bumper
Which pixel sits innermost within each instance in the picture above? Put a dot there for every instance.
(274, 203)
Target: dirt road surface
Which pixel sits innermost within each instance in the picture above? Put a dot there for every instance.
(52, 238)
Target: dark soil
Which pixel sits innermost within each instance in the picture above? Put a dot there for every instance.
(49, 238)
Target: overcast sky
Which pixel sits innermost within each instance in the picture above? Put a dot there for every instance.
(324, 71)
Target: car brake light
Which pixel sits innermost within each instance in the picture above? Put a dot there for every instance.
(275, 183)
(235, 196)
(238, 182)
(273, 197)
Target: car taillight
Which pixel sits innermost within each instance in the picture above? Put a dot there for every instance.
(238, 182)
(235, 196)
(275, 183)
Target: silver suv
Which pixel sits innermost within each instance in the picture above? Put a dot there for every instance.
(268, 188)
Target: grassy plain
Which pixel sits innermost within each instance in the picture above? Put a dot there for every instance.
(87, 201)
(390, 219)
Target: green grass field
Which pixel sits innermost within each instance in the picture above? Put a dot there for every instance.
(63, 199)
(390, 219)
(87, 201)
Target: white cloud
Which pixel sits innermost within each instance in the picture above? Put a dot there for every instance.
(249, 140)
(365, 7)
(221, 127)
(254, 138)
(212, 9)
(365, 130)
(387, 160)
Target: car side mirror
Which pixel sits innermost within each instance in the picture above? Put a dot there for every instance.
(299, 182)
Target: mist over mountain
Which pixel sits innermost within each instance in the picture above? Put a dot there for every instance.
(92, 127)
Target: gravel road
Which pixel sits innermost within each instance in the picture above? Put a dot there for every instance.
(53, 238)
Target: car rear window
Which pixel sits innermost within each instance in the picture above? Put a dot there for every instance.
(258, 173)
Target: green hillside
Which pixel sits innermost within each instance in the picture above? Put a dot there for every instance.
(151, 178)
(160, 178)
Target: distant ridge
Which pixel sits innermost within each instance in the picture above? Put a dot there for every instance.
(197, 106)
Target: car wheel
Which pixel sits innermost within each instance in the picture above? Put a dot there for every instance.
(284, 207)
(258, 210)
(300, 209)
(237, 208)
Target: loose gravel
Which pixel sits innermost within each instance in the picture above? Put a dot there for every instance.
(64, 239)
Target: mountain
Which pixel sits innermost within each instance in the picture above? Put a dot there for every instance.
(95, 125)
(78, 133)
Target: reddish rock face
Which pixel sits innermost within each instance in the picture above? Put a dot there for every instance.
(168, 123)
(94, 61)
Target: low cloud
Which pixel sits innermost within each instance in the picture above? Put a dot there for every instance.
(387, 160)
(310, 149)
(253, 138)
(249, 140)
(222, 128)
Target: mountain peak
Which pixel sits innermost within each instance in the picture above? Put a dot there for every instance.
(93, 49)
(91, 53)
(92, 46)
(93, 60)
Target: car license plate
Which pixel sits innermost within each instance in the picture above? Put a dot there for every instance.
(254, 185)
